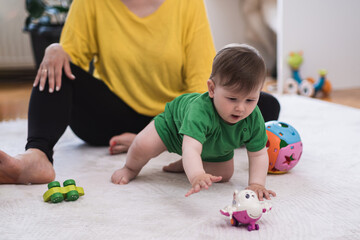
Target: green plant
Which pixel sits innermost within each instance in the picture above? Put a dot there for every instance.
(46, 13)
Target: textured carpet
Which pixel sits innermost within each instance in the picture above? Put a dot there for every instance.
(318, 199)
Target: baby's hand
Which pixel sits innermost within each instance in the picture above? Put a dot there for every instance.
(202, 181)
(261, 191)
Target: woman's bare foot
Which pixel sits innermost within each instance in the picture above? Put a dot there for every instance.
(30, 167)
(175, 167)
(121, 143)
(123, 175)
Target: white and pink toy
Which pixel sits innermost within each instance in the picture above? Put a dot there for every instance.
(246, 209)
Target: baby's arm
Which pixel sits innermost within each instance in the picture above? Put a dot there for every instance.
(193, 166)
(258, 167)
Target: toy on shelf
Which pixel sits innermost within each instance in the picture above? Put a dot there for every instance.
(246, 209)
(284, 146)
(69, 192)
(307, 87)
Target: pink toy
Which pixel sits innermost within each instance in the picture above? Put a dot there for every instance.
(246, 209)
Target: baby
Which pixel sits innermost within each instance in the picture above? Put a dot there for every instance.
(206, 128)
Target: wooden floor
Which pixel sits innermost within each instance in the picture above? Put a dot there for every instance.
(14, 98)
(348, 97)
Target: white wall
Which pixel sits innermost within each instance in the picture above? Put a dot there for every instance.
(328, 33)
(15, 46)
(226, 22)
(245, 21)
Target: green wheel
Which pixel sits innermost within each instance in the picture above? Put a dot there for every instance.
(69, 182)
(72, 195)
(53, 184)
(56, 197)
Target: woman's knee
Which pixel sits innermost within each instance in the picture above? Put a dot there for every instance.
(269, 106)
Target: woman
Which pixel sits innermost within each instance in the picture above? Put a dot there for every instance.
(145, 54)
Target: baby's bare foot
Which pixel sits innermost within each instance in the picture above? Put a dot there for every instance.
(29, 167)
(175, 167)
(121, 143)
(123, 175)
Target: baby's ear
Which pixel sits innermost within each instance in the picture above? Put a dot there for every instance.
(211, 87)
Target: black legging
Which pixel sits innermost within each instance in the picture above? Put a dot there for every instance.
(94, 113)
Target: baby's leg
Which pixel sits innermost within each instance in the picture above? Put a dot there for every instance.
(224, 169)
(146, 145)
(174, 167)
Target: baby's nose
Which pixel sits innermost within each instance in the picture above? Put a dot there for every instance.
(240, 108)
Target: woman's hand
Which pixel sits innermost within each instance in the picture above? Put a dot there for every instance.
(261, 191)
(202, 181)
(55, 59)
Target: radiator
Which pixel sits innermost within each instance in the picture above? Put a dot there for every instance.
(15, 45)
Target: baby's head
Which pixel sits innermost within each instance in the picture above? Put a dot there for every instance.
(240, 67)
(238, 74)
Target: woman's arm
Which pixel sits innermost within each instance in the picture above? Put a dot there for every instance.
(78, 37)
(54, 61)
(198, 47)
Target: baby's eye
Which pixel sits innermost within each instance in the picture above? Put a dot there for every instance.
(250, 100)
(232, 99)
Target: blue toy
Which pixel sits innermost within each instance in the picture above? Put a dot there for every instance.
(306, 87)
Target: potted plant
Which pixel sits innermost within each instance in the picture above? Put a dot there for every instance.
(44, 23)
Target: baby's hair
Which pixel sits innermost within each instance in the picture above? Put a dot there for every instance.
(240, 67)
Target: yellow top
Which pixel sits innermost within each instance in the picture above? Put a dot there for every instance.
(148, 61)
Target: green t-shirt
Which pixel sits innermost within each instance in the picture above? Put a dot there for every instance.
(194, 115)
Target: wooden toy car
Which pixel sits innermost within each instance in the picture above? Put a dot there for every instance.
(69, 192)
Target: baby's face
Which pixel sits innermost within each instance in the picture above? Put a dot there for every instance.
(233, 106)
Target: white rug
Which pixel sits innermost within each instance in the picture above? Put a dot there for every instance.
(318, 199)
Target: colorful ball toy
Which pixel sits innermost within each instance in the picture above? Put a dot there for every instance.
(284, 146)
